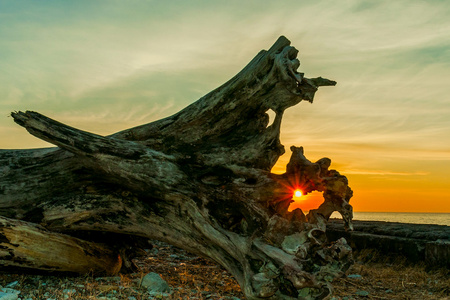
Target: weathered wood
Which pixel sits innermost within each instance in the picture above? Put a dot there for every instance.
(199, 180)
(426, 243)
(27, 245)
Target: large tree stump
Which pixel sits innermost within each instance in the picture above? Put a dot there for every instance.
(199, 180)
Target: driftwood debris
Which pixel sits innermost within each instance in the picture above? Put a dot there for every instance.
(418, 243)
(199, 179)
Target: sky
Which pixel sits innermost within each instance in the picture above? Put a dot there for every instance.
(104, 66)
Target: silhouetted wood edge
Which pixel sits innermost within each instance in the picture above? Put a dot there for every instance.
(199, 180)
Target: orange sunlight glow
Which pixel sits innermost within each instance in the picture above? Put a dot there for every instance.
(295, 193)
(306, 202)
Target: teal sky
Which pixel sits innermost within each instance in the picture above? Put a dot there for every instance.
(103, 66)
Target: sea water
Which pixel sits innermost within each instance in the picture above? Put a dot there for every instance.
(415, 218)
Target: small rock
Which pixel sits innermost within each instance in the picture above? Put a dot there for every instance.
(362, 293)
(12, 284)
(159, 295)
(68, 293)
(8, 296)
(354, 276)
(154, 283)
(10, 291)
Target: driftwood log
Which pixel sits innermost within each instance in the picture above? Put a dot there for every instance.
(199, 180)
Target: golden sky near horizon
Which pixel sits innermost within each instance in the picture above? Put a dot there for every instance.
(104, 66)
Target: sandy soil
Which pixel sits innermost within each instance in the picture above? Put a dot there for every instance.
(191, 277)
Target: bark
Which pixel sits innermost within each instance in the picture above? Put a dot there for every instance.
(199, 180)
(424, 243)
(22, 246)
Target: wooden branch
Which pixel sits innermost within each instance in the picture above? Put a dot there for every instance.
(75, 140)
(199, 180)
(26, 245)
(126, 162)
(232, 119)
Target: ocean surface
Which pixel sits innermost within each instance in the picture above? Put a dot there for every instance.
(415, 218)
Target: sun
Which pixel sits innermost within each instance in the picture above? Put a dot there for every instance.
(298, 193)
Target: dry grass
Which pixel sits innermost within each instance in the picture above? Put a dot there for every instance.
(189, 276)
(195, 277)
(389, 277)
(192, 277)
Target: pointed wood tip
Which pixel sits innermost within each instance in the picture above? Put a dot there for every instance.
(281, 42)
(19, 117)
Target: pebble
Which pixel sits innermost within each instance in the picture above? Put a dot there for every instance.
(10, 291)
(12, 284)
(68, 293)
(159, 295)
(154, 283)
(8, 296)
(362, 293)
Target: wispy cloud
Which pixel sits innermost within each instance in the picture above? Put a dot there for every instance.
(105, 67)
(384, 173)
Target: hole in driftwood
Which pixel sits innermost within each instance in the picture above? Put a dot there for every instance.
(307, 202)
(271, 115)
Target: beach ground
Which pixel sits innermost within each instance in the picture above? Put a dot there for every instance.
(373, 276)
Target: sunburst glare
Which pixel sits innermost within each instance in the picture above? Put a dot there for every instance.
(297, 193)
